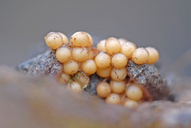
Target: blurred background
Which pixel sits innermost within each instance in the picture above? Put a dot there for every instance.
(164, 24)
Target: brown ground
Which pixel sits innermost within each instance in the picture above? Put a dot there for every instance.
(27, 102)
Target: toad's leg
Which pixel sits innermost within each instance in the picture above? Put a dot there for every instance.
(44, 64)
(24, 66)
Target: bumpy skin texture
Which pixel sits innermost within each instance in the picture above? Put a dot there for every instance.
(133, 70)
(24, 66)
(56, 69)
(148, 77)
(47, 64)
(94, 80)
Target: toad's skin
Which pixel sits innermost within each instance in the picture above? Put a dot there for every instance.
(24, 66)
(146, 76)
(45, 64)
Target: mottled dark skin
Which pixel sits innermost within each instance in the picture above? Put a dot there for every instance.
(94, 80)
(56, 69)
(24, 66)
(45, 64)
(146, 76)
(133, 70)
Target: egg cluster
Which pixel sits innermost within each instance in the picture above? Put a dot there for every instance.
(75, 55)
(109, 60)
(112, 62)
